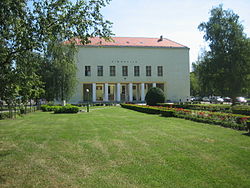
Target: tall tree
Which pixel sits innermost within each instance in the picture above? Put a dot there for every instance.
(59, 71)
(29, 25)
(228, 61)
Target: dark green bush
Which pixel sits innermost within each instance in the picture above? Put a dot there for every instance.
(4, 115)
(241, 109)
(154, 95)
(204, 107)
(48, 108)
(66, 109)
(148, 109)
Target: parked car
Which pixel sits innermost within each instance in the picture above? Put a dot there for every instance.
(216, 99)
(227, 99)
(241, 100)
(196, 99)
(205, 99)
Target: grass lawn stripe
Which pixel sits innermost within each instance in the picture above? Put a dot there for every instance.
(116, 147)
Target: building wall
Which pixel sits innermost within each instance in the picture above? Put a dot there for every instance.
(175, 62)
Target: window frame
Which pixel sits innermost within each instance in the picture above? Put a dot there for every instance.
(87, 70)
(137, 71)
(99, 70)
(159, 70)
(148, 71)
(112, 71)
(125, 70)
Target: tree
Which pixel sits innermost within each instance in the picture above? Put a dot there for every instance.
(154, 95)
(228, 60)
(28, 26)
(59, 71)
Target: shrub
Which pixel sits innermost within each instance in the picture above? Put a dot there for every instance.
(205, 107)
(241, 109)
(66, 109)
(154, 95)
(48, 108)
(4, 115)
(234, 121)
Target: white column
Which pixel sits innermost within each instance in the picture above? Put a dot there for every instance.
(154, 84)
(106, 92)
(142, 92)
(94, 92)
(118, 92)
(130, 88)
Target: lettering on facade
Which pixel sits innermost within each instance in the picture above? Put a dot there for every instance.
(124, 61)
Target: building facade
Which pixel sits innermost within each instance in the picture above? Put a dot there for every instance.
(123, 70)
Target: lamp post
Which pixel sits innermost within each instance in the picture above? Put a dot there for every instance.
(87, 90)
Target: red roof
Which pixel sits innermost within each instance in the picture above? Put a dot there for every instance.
(133, 42)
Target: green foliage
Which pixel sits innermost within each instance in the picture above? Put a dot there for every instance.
(4, 115)
(59, 71)
(241, 109)
(203, 107)
(194, 85)
(67, 109)
(225, 69)
(60, 109)
(26, 30)
(154, 95)
(233, 121)
(48, 108)
(148, 109)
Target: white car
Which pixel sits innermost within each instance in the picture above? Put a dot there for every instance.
(216, 100)
(241, 99)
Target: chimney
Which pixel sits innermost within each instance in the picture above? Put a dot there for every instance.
(160, 39)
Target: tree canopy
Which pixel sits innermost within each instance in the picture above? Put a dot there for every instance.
(27, 27)
(224, 69)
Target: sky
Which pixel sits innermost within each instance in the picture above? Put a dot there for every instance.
(176, 20)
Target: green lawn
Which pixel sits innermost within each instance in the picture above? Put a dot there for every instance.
(115, 147)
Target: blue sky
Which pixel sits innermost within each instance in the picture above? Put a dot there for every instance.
(174, 19)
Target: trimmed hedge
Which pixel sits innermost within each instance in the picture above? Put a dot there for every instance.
(60, 109)
(241, 109)
(148, 109)
(66, 109)
(206, 107)
(234, 121)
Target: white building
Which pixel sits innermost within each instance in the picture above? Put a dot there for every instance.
(125, 69)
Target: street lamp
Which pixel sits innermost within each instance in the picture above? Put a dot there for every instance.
(87, 90)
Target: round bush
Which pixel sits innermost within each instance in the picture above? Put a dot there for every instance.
(154, 95)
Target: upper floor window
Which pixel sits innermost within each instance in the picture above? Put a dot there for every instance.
(87, 71)
(112, 70)
(160, 71)
(148, 70)
(136, 71)
(99, 70)
(124, 70)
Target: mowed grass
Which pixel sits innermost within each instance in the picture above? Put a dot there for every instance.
(116, 147)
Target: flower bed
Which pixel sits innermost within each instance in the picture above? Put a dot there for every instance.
(234, 121)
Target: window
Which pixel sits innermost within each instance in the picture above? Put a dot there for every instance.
(160, 71)
(99, 70)
(148, 70)
(87, 71)
(124, 70)
(112, 70)
(136, 71)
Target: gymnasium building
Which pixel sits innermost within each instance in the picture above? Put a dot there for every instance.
(124, 69)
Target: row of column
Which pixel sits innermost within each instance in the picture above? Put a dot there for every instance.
(118, 92)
